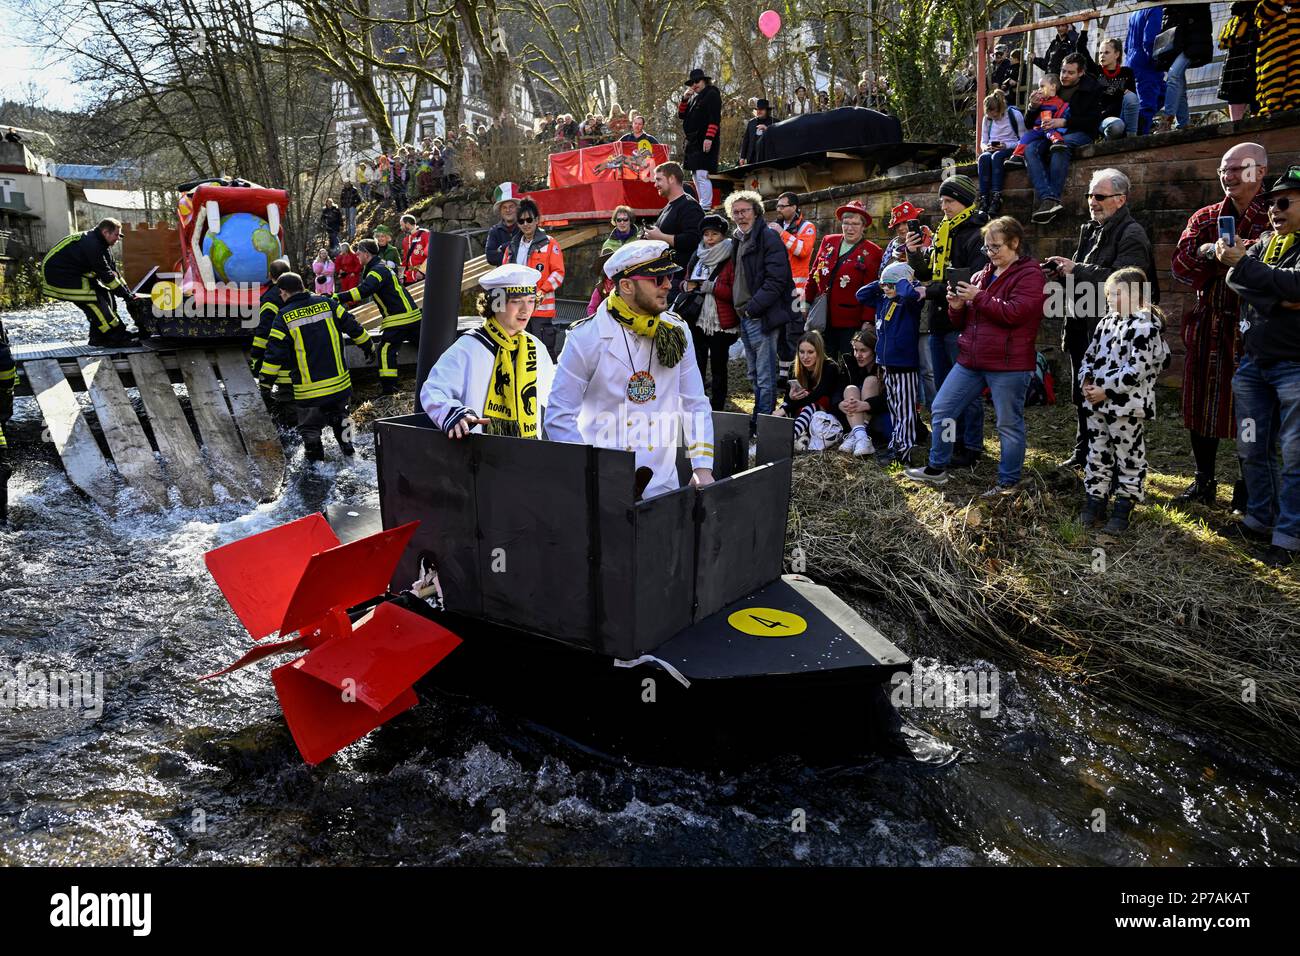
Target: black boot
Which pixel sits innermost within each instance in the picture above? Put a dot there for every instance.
(1202, 490)
(995, 206)
(1119, 516)
(389, 387)
(1238, 495)
(1079, 457)
(984, 203)
(314, 448)
(5, 471)
(1094, 511)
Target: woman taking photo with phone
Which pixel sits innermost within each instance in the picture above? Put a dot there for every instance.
(997, 315)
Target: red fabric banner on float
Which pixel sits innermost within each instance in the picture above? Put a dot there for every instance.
(607, 163)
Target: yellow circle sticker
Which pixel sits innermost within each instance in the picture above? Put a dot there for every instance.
(166, 296)
(767, 622)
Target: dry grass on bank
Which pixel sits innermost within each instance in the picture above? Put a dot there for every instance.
(1167, 616)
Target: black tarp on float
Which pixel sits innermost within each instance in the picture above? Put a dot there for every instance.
(546, 537)
(844, 128)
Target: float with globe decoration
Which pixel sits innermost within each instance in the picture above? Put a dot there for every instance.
(229, 233)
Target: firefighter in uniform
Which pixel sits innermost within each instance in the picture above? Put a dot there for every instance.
(401, 321)
(8, 378)
(80, 269)
(307, 337)
(268, 308)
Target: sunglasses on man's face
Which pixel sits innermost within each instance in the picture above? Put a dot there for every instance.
(1102, 197)
(524, 220)
(657, 280)
(623, 219)
(1281, 203)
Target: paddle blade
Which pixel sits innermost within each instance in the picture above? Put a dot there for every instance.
(321, 721)
(345, 576)
(387, 652)
(259, 574)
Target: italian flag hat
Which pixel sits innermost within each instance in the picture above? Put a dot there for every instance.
(506, 192)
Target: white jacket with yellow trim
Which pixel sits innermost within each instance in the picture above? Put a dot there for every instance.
(589, 402)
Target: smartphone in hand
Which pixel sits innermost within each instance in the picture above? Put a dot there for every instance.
(954, 276)
(914, 225)
(1228, 230)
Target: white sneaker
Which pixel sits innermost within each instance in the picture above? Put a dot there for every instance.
(850, 445)
(864, 447)
(801, 444)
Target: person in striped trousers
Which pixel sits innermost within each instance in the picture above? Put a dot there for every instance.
(898, 323)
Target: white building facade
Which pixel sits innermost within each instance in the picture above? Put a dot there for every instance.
(357, 139)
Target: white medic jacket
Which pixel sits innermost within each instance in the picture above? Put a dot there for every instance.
(459, 380)
(589, 403)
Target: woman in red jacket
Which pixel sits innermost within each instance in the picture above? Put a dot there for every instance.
(347, 268)
(845, 262)
(997, 315)
(714, 327)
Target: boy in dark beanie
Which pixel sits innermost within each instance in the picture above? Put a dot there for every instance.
(958, 244)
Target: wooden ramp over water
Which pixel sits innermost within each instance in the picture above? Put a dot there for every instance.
(368, 314)
(232, 444)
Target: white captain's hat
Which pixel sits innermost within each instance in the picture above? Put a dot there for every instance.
(641, 257)
(512, 278)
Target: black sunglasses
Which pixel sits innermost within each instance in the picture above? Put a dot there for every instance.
(1102, 197)
(526, 219)
(1281, 203)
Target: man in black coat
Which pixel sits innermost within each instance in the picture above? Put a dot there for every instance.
(701, 114)
(749, 145)
(1110, 241)
(762, 292)
(1067, 40)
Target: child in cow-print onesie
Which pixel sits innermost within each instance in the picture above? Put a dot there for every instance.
(1118, 375)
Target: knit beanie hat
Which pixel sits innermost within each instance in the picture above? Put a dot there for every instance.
(960, 188)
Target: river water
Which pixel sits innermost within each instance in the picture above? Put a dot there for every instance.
(180, 772)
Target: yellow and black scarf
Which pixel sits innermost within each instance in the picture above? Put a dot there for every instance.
(942, 248)
(1277, 248)
(510, 405)
(669, 339)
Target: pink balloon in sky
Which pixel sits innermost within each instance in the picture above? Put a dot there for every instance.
(769, 23)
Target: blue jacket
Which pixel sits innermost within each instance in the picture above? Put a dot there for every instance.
(897, 333)
(498, 238)
(1143, 28)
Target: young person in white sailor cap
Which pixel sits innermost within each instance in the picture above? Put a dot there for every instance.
(496, 378)
(627, 377)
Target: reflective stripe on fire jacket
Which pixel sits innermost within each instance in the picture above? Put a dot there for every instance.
(268, 308)
(307, 339)
(76, 263)
(379, 282)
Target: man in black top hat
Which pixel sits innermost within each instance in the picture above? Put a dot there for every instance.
(700, 110)
(749, 145)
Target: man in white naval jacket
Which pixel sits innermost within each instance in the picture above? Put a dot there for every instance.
(495, 378)
(627, 377)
